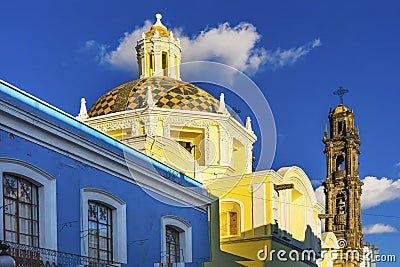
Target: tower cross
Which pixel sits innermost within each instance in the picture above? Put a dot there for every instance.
(341, 92)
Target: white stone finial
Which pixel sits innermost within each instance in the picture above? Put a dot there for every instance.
(143, 35)
(171, 35)
(83, 110)
(158, 22)
(149, 98)
(248, 125)
(156, 34)
(222, 106)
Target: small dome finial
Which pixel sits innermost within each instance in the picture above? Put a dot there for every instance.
(158, 22)
(248, 125)
(222, 106)
(83, 110)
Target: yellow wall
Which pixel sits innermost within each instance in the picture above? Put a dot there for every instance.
(255, 192)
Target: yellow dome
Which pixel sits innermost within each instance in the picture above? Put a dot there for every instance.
(340, 109)
(162, 31)
(167, 93)
(159, 27)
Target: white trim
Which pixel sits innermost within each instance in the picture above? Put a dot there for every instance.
(225, 200)
(47, 199)
(118, 218)
(185, 237)
(259, 195)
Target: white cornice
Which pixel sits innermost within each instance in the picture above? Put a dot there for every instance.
(39, 131)
(190, 115)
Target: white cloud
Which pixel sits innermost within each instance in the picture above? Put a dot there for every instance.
(398, 164)
(377, 191)
(124, 56)
(378, 228)
(374, 191)
(236, 46)
(281, 58)
(101, 49)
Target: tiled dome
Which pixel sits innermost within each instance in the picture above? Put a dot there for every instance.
(167, 93)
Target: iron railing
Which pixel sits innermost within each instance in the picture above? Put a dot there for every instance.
(27, 256)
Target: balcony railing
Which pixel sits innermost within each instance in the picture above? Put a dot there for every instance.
(26, 256)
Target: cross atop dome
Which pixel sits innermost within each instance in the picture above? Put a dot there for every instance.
(159, 52)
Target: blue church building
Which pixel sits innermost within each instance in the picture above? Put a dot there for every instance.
(73, 196)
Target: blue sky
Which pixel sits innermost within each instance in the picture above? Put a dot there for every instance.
(61, 51)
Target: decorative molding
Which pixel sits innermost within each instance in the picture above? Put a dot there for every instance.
(50, 136)
(207, 145)
(166, 129)
(135, 129)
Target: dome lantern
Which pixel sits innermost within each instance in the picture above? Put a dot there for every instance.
(158, 52)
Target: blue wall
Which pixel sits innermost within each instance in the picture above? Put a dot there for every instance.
(143, 211)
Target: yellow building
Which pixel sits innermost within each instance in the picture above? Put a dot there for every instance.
(186, 128)
(265, 212)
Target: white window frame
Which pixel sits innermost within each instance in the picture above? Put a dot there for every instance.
(47, 198)
(118, 207)
(185, 238)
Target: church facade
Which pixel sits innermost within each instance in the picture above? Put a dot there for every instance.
(186, 128)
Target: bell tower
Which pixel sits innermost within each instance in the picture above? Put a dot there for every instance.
(159, 52)
(343, 186)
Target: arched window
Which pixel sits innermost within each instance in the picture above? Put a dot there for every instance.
(340, 163)
(230, 214)
(21, 211)
(176, 240)
(29, 213)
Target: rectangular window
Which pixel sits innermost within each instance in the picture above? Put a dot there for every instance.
(21, 211)
(100, 231)
(164, 60)
(173, 245)
(151, 64)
